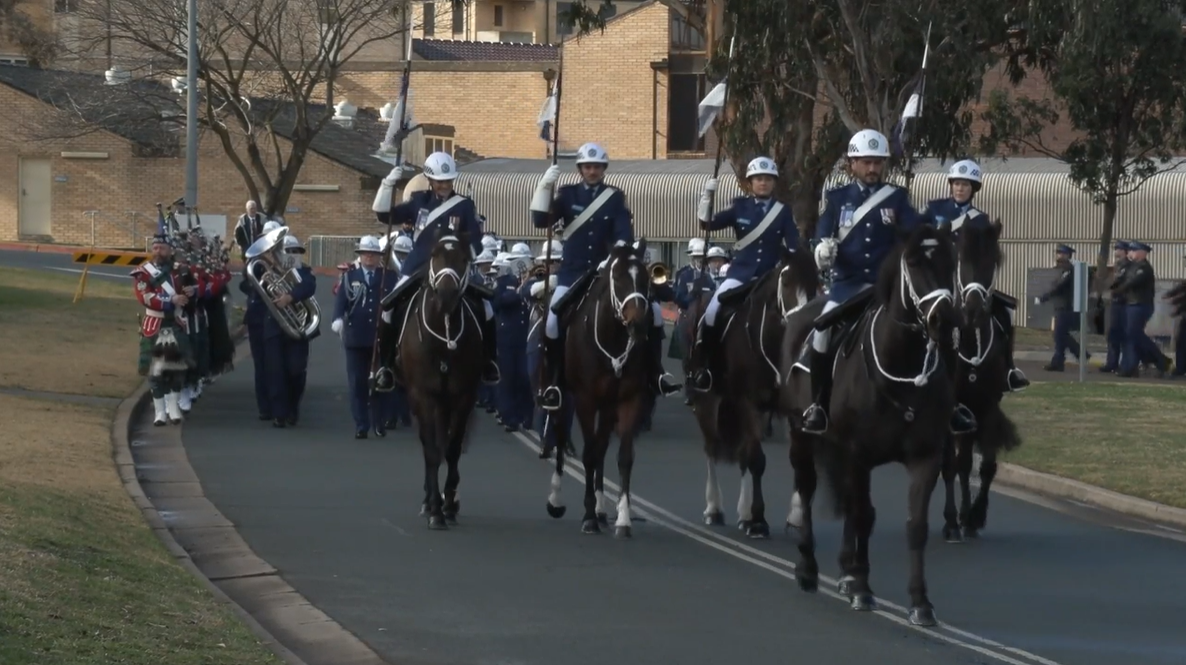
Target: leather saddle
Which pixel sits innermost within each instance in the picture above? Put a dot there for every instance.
(844, 322)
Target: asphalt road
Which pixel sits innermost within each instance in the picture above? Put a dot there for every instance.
(59, 263)
(1049, 582)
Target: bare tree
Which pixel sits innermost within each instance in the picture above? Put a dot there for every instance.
(22, 31)
(267, 71)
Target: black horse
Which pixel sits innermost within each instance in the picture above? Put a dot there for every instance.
(608, 380)
(891, 402)
(981, 381)
(734, 416)
(437, 346)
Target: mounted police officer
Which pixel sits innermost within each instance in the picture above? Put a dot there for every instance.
(1139, 287)
(1118, 308)
(439, 208)
(858, 228)
(356, 316)
(964, 180)
(589, 217)
(532, 292)
(286, 360)
(1060, 295)
(515, 404)
(763, 226)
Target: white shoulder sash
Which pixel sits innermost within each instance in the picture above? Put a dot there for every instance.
(958, 222)
(872, 202)
(588, 213)
(761, 228)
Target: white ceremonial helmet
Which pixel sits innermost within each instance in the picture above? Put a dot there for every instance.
(521, 250)
(965, 169)
(487, 256)
(556, 254)
(716, 252)
(292, 244)
(271, 225)
(761, 166)
(491, 243)
(402, 244)
(696, 247)
(591, 153)
(369, 244)
(868, 143)
(500, 259)
(440, 166)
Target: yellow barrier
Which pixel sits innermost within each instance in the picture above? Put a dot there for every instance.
(93, 258)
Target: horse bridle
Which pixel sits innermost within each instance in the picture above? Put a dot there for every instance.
(930, 362)
(619, 306)
(982, 350)
(435, 278)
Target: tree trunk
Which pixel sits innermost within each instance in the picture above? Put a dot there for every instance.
(1110, 204)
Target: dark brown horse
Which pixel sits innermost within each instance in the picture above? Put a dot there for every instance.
(892, 401)
(608, 380)
(984, 353)
(440, 359)
(733, 417)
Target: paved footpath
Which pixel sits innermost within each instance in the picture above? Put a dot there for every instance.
(1049, 583)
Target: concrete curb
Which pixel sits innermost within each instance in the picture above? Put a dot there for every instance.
(207, 545)
(1065, 488)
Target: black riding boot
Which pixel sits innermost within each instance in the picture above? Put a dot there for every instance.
(387, 374)
(703, 351)
(664, 383)
(490, 373)
(815, 418)
(549, 397)
(1015, 379)
(962, 420)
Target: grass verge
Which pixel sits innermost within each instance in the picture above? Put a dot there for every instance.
(83, 580)
(1125, 437)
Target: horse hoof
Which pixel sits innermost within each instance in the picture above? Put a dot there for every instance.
(844, 586)
(742, 525)
(423, 509)
(623, 532)
(556, 512)
(714, 519)
(863, 602)
(603, 519)
(451, 519)
(952, 535)
(922, 616)
(590, 526)
(757, 530)
(971, 533)
(808, 583)
(437, 523)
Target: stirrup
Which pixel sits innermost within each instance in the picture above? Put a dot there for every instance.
(383, 380)
(667, 385)
(963, 421)
(550, 398)
(1016, 375)
(807, 415)
(702, 381)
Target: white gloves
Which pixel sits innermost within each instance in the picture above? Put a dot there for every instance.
(542, 200)
(603, 264)
(336, 326)
(551, 176)
(1037, 301)
(552, 281)
(825, 253)
(710, 185)
(383, 197)
(537, 289)
(398, 173)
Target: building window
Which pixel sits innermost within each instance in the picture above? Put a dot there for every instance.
(563, 9)
(685, 37)
(15, 61)
(437, 144)
(498, 16)
(327, 12)
(429, 19)
(458, 18)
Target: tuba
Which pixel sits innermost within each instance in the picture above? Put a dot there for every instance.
(660, 273)
(269, 272)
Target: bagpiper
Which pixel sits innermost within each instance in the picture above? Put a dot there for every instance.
(164, 344)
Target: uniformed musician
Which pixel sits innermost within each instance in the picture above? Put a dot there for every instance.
(717, 259)
(164, 344)
(356, 316)
(254, 315)
(686, 276)
(1139, 288)
(1118, 307)
(513, 398)
(660, 294)
(1060, 295)
(763, 226)
(964, 180)
(857, 229)
(487, 394)
(440, 208)
(286, 360)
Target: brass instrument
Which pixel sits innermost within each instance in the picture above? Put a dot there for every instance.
(660, 273)
(269, 271)
(539, 272)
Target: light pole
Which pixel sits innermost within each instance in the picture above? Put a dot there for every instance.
(191, 111)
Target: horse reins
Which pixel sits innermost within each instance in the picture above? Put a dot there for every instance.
(619, 305)
(435, 277)
(930, 362)
(985, 293)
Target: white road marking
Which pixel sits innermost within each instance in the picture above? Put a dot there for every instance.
(775, 564)
(91, 273)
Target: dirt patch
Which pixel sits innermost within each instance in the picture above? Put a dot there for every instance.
(52, 345)
(1125, 437)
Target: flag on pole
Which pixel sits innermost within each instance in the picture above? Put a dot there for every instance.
(712, 105)
(904, 129)
(394, 127)
(547, 114)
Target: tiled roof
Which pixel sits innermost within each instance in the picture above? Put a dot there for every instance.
(132, 110)
(460, 50)
(1015, 165)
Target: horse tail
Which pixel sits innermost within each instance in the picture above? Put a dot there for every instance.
(998, 431)
(833, 465)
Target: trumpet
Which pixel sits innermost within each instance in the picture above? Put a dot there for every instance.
(660, 273)
(269, 272)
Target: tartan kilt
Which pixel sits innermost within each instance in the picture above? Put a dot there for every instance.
(681, 337)
(147, 344)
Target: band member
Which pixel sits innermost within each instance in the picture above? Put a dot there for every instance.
(1118, 308)
(487, 394)
(255, 313)
(440, 208)
(249, 228)
(356, 316)
(660, 294)
(532, 293)
(515, 404)
(164, 344)
(1138, 288)
(286, 360)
